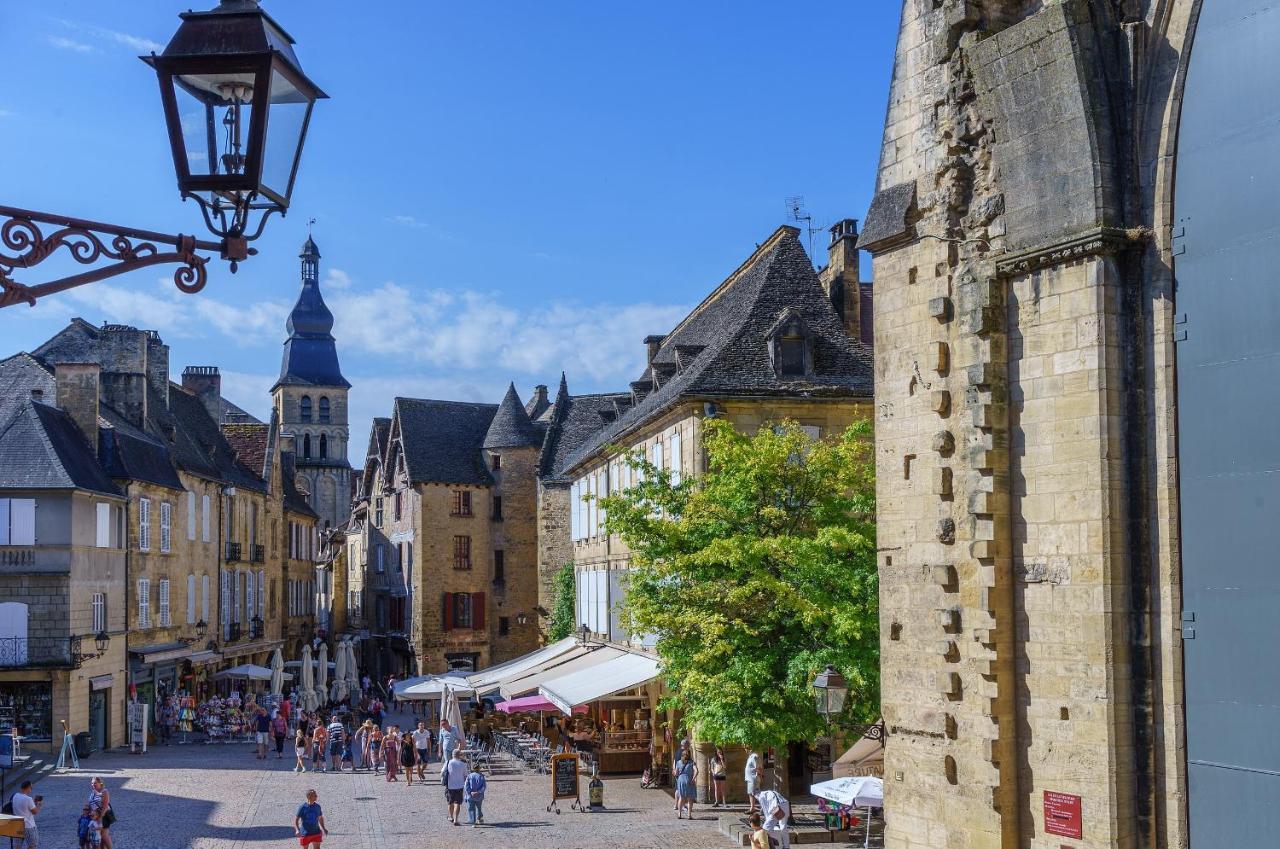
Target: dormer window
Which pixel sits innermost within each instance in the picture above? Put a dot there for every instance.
(790, 346)
(304, 408)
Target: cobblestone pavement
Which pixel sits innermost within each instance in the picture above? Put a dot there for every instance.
(220, 797)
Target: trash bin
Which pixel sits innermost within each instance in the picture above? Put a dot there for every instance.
(84, 746)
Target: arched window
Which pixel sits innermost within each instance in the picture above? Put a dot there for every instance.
(324, 409)
(324, 447)
(305, 408)
(306, 447)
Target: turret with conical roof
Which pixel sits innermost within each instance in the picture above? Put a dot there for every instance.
(511, 427)
(310, 355)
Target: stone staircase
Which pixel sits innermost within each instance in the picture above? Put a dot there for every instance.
(27, 768)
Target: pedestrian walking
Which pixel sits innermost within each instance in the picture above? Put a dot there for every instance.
(262, 729)
(686, 785)
(100, 803)
(308, 822)
(337, 738)
(319, 743)
(448, 740)
(300, 746)
(391, 754)
(373, 755)
(474, 788)
(753, 773)
(279, 730)
(27, 806)
(422, 742)
(454, 778)
(719, 777)
(408, 756)
(777, 815)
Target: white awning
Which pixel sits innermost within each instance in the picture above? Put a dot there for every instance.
(580, 658)
(613, 676)
(434, 688)
(489, 679)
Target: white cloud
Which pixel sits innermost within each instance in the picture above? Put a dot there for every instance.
(68, 44)
(133, 42)
(336, 279)
(250, 392)
(408, 221)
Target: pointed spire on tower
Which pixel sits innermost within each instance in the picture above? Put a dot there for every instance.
(310, 355)
(511, 426)
(562, 394)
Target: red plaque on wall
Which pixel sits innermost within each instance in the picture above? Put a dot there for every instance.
(1062, 815)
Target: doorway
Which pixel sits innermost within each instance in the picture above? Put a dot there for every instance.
(99, 720)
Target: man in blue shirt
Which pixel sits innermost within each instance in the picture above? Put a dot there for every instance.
(308, 823)
(448, 740)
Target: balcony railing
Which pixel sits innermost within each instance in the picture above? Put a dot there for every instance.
(233, 552)
(44, 558)
(17, 557)
(259, 553)
(13, 651)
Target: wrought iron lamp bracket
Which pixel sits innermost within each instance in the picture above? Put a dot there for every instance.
(28, 238)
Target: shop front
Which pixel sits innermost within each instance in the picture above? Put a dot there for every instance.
(28, 706)
(165, 670)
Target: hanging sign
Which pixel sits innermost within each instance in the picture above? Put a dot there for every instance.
(1062, 815)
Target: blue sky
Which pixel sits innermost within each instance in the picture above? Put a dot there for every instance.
(501, 190)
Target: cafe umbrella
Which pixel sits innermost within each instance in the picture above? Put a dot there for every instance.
(855, 791)
(308, 677)
(322, 676)
(277, 673)
(336, 689)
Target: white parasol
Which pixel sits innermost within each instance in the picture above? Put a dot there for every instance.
(338, 687)
(277, 673)
(855, 791)
(322, 676)
(305, 693)
(450, 710)
(353, 673)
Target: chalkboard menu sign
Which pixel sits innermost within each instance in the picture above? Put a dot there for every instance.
(564, 777)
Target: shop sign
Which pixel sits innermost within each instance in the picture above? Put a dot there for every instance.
(137, 720)
(1062, 815)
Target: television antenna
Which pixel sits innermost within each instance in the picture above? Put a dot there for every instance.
(795, 208)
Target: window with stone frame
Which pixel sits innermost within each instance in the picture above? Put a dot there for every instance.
(166, 525)
(504, 626)
(144, 524)
(461, 552)
(304, 408)
(99, 612)
(790, 346)
(497, 508)
(395, 501)
(499, 566)
(461, 502)
(377, 512)
(324, 409)
(462, 610)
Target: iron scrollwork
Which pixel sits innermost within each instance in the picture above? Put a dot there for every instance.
(24, 244)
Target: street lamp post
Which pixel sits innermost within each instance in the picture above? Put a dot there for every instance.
(237, 106)
(830, 691)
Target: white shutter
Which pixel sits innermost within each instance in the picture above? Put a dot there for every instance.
(204, 598)
(191, 515)
(604, 493)
(166, 520)
(4, 521)
(580, 599)
(225, 606)
(144, 603)
(99, 613)
(677, 459)
(164, 602)
(573, 511)
(22, 521)
(204, 518)
(262, 594)
(144, 524)
(102, 536)
(250, 597)
(191, 599)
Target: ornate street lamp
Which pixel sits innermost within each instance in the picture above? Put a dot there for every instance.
(237, 106)
(522, 618)
(255, 625)
(202, 628)
(830, 691)
(74, 643)
(100, 642)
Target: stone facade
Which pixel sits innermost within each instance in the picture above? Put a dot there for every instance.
(1025, 481)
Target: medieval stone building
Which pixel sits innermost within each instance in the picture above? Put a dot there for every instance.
(1071, 232)
(310, 398)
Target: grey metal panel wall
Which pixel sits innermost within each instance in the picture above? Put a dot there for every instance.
(1228, 277)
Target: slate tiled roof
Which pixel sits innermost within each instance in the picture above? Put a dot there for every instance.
(293, 500)
(199, 440)
(442, 440)
(128, 452)
(511, 426)
(721, 349)
(42, 448)
(19, 375)
(231, 413)
(310, 355)
(575, 420)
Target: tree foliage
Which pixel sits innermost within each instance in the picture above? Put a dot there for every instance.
(755, 575)
(561, 624)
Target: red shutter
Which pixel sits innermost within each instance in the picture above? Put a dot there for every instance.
(448, 611)
(477, 611)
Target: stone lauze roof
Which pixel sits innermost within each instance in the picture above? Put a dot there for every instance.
(442, 440)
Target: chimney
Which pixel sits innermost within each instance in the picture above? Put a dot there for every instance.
(78, 396)
(158, 367)
(653, 343)
(123, 355)
(841, 276)
(206, 384)
(538, 401)
(540, 394)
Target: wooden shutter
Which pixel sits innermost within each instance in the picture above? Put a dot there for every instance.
(448, 612)
(477, 611)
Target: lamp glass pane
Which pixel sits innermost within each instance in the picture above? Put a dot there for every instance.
(215, 133)
(288, 116)
(835, 698)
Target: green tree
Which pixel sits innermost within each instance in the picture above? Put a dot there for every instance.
(561, 624)
(755, 575)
